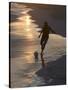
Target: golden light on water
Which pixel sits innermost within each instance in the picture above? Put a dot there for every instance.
(24, 27)
(27, 22)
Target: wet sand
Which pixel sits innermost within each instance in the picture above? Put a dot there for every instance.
(26, 72)
(54, 73)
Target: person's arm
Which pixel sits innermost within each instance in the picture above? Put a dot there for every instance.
(52, 30)
(40, 34)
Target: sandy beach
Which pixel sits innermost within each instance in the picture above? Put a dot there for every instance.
(26, 72)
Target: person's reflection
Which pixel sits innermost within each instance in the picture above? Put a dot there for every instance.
(44, 64)
(42, 59)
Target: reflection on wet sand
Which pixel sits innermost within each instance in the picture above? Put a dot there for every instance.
(24, 36)
(44, 64)
(24, 27)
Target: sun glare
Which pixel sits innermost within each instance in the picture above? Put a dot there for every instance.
(27, 22)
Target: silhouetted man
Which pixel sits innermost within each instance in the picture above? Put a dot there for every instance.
(45, 35)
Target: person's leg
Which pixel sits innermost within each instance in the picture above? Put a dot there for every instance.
(42, 39)
(42, 48)
(43, 44)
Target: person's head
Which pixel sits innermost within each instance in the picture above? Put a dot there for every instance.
(45, 23)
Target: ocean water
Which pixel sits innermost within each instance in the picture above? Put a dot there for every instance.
(24, 42)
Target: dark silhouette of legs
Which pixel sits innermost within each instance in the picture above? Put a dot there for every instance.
(43, 43)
